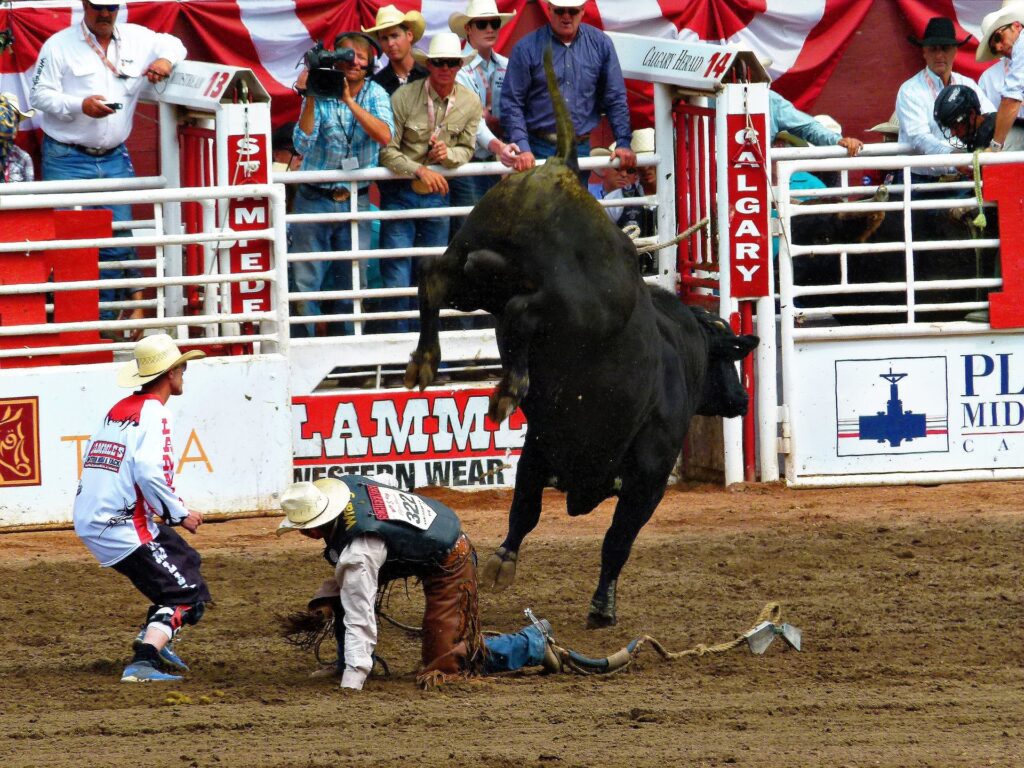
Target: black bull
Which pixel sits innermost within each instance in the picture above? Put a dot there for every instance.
(608, 371)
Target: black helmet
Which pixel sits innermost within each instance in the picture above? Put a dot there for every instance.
(957, 105)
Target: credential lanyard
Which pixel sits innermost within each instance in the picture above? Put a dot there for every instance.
(435, 127)
(103, 56)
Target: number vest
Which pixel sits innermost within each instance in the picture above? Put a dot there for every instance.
(418, 532)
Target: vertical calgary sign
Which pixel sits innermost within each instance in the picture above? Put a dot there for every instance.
(749, 249)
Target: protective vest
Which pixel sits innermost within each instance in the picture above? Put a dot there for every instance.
(419, 532)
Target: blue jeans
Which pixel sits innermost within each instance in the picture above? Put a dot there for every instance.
(542, 150)
(323, 275)
(507, 653)
(406, 233)
(63, 163)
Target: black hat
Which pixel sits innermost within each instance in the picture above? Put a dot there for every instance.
(938, 32)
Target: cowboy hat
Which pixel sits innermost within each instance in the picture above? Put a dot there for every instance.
(642, 143)
(389, 16)
(477, 9)
(1010, 12)
(12, 101)
(893, 126)
(154, 356)
(444, 45)
(829, 123)
(567, 3)
(939, 31)
(310, 505)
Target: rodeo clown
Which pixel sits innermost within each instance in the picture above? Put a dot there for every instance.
(373, 534)
(127, 479)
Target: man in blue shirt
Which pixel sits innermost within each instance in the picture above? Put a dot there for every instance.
(783, 116)
(343, 132)
(588, 75)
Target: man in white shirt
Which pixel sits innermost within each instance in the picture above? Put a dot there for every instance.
(1000, 31)
(374, 533)
(86, 86)
(915, 102)
(127, 480)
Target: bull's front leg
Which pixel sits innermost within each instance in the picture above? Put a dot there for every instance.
(499, 571)
(519, 321)
(422, 368)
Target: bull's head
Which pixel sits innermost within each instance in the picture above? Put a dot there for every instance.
(723, 393)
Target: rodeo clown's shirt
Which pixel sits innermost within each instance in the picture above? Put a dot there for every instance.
(127, 477)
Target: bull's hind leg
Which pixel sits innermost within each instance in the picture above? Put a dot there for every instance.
(499, 571)
(519, 320)
(637, 503)
(422, 368)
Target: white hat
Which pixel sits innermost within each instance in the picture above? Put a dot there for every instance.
(444, 45)
(829, 123)
(12, 100)
(309, 505)
(568, 3)
(642, 143)
(154, 355)
(1012, 11)
(389, 16)
(477, 9)
(893, 126)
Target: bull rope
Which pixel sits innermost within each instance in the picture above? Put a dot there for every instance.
(624, 657)
(677, 239)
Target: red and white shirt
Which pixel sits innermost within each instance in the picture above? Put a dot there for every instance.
(127, 477)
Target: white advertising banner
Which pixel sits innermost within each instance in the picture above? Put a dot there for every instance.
(232, 435)
(889, 409)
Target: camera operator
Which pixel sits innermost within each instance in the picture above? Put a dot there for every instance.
(344, 122)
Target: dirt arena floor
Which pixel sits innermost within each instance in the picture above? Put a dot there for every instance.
(910, 602)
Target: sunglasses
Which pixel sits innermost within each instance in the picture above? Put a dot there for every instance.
(104, 7)
(482, 24)
(449, 63)
(629, 170)
(565, 11)
(997, 37)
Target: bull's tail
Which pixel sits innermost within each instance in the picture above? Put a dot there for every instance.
(563, 120)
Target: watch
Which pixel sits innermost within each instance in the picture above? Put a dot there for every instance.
(995, 146)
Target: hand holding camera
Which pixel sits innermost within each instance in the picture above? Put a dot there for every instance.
(324, 79)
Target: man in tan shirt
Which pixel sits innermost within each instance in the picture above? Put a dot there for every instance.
(435, 124)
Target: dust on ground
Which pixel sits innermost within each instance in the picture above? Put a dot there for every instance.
(909, 598)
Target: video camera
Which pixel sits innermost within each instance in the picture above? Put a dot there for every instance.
(324, 79)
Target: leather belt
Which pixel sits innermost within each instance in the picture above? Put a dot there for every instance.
(337, 194)
(552, 138)
(92, 151)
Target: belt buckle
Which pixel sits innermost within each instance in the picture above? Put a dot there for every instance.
(341, 194)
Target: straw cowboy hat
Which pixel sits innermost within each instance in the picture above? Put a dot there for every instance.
(477, 9)
(893, 126)
(444, 45)
(310, 505)
(1010, 12)
(154, 356)
(642, 143)
(389, 16)
(829, 123)
(568, 3)
(12, 102)
(939, 31)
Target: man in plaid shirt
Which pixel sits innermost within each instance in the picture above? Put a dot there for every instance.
(344, 132)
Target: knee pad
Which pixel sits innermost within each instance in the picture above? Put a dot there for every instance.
(169, 619)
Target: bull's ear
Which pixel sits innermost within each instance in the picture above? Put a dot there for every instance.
(485, 263)
(737, 347)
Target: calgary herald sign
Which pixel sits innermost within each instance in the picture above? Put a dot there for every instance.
(695, 65)
(438, 437)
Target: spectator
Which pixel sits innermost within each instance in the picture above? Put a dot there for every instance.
(343, 131)
(389, 534)
(915, 101)
(619, 183)
(588, 75)
(783, 116)
(484, 75)
(1000, 31)
(435, 123)
(86, 86)
(15, 162)
(396, 32)
(127, 481)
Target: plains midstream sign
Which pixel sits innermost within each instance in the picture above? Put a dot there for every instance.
(891, 409)
(435, 437)
(231, 437)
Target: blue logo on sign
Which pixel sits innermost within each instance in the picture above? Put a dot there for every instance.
(893, 425)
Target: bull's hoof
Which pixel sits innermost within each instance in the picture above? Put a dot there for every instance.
(506, 396)
(600, 621)
(499, 571)
(421, 370)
